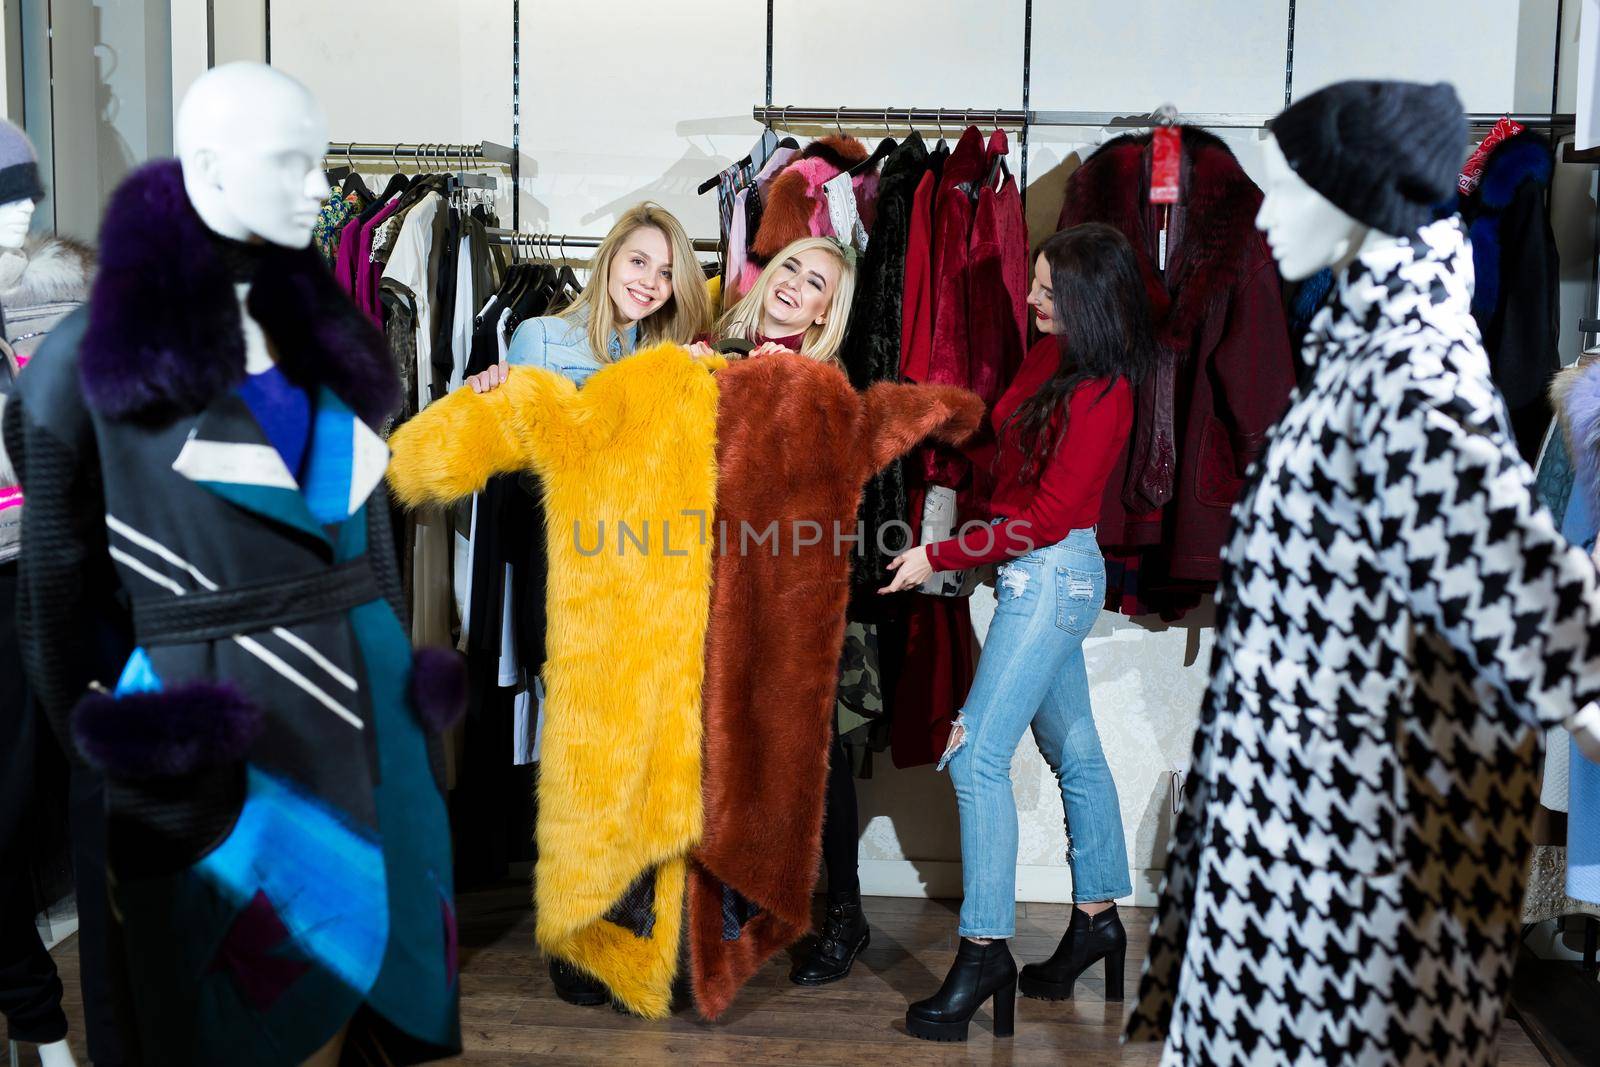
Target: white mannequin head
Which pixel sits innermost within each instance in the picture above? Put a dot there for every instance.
(15, 218)
(1305, 229)
(251, 140)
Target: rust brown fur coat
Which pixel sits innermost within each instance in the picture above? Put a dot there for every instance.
(794, 442)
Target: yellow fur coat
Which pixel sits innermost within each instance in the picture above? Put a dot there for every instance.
(627, 461)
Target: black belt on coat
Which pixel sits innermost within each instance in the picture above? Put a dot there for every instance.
(210, 616)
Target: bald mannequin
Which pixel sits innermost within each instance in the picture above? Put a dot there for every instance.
(1307, 232)
(251, 140)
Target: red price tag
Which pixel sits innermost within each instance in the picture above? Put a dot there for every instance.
(1166, 155)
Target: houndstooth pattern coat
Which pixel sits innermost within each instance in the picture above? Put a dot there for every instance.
(1397, 618)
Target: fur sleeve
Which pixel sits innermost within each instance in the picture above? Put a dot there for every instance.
(898, 417)
(452, 449)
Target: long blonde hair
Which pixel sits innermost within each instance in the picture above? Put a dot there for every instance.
(680, 320)
(821, 343)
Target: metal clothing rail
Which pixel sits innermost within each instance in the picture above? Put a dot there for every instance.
(559, 243)
(890, 117)
(484, 151)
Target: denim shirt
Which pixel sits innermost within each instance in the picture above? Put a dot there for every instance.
(562, 345)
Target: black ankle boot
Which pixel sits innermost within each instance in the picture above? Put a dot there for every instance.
(1088, 938)
(844, 936)
(575, 987)
(980, 972)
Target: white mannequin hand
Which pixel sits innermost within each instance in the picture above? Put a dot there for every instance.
(1585, 730)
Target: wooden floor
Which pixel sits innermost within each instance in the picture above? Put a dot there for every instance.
(510, 1014)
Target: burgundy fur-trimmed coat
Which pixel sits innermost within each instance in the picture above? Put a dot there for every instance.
(794, 442)
(1226, 368)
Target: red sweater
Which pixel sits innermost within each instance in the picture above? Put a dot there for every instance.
(1067, 495)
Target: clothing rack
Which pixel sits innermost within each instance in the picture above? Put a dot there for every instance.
(888, 117)
(560, 242)
(480, 153)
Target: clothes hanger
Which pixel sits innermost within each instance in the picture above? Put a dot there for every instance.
(999, 168)
(336, 174)
(352, 179)
(886, 145)
(568, 277)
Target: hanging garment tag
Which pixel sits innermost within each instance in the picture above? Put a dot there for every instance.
(1161, 251)
(1166, 152)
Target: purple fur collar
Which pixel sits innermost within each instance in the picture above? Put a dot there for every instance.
(164, 337)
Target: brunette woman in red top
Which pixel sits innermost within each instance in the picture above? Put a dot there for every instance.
(1060, 427)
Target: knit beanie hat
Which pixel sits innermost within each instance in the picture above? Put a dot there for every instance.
(1386, 153)
(19, 166)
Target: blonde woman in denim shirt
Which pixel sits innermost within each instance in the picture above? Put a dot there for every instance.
(644, 288)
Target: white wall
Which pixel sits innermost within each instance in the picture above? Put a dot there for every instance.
(622, 102)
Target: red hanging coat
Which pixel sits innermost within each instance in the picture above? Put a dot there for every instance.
(953, 209)
(1220, 326)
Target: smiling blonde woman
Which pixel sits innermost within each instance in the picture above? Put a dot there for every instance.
(800, 302)
(644, 287)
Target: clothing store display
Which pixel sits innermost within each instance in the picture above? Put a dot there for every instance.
(1516, 296)
(19, 166)
(980, 972)
(770, 685)
(619, 803)
(1386, 152)
(1394, 598)
(1223, 372)
(336, 212)
(844, 213)
(258, 601)
(998, 273)
(948, 354)
(1066, 496)
(1032, 674)
(1088, 940)
(844, 936)
(871, 351)
(976, 337)
(40, 283)
(795, 204)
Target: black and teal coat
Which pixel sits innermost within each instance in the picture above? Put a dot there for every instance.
(278, 844)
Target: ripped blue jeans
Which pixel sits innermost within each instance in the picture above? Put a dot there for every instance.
(1032, 673)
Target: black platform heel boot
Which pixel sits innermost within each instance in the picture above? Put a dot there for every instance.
(575, 987)
(980, 972)
(1088, 938)
(844, 936)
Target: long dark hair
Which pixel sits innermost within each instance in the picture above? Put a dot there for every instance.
(1104, 315)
